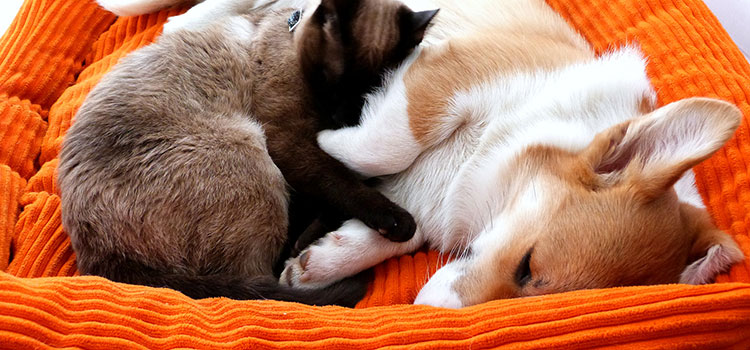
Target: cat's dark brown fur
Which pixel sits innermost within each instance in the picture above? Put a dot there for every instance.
(165, 175)
(368, 45)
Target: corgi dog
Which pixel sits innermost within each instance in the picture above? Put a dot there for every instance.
(538, 165)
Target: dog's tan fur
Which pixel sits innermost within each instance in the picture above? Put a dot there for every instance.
(602, 230)
(442, 71)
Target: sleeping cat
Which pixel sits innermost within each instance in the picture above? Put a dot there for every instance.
(175, 171)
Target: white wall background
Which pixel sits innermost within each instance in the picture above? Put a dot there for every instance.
(8, 10)
(733, 14)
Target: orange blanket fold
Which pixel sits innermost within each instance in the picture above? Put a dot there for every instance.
(57, 50)
(90, 311)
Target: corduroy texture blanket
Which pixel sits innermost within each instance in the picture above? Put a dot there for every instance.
(55, 52)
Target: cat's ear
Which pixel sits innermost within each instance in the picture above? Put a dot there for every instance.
(418, 22)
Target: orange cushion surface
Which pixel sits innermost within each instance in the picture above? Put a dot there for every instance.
(55, 52)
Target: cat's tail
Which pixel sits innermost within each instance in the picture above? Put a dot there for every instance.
(139, 7)
(343, 293)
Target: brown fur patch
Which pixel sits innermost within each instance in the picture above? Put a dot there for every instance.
(647, 105)
(373, 33)
(443, 70)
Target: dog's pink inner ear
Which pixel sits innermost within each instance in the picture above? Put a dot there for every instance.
(718, 259)
(711, 251)
(654, 150)
(617, 160)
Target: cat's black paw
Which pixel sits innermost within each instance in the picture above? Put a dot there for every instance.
(393, 223)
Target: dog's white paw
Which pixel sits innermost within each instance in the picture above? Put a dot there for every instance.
(202, 16)
(351, 249)
(193, 21)
(326, 261)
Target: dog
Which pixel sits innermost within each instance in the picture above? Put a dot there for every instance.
(538, 165)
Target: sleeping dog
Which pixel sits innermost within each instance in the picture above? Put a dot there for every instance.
(539, 166)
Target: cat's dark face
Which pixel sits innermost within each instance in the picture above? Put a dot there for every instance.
(345, 46)
(380, 34)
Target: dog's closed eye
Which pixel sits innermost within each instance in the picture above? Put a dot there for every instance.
(523, 272)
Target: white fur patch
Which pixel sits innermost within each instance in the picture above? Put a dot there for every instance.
(239, 28)
(439, 291)
(198, 18)
(135, 7)
(687, 191)
(383, 143)
(352, 248)
(531, 197)
(206, 14)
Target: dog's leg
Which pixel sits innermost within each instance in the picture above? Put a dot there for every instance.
(385, 142)
(382, 143)
(137, 7)
(353, 248)
(207, 12)
(373, 148)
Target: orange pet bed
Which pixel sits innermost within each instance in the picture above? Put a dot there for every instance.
(56, 51)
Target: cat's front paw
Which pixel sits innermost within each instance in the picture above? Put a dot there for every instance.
(392, 222)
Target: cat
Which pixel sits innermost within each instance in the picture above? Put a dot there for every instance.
(175, 170)
(538, 165)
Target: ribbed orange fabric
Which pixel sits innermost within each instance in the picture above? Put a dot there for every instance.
(91, 312)
(41, 54)
(44, 47)
(11, 185)
(21, 131)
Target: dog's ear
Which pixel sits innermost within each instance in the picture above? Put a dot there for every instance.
(712, 251)
(650, 153)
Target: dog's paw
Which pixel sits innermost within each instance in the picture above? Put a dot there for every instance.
(318, 266)
(200, 17)
(185, 21)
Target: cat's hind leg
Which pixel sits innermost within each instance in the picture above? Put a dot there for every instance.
(352, 248)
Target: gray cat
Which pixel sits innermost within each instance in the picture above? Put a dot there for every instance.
(175, 171)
